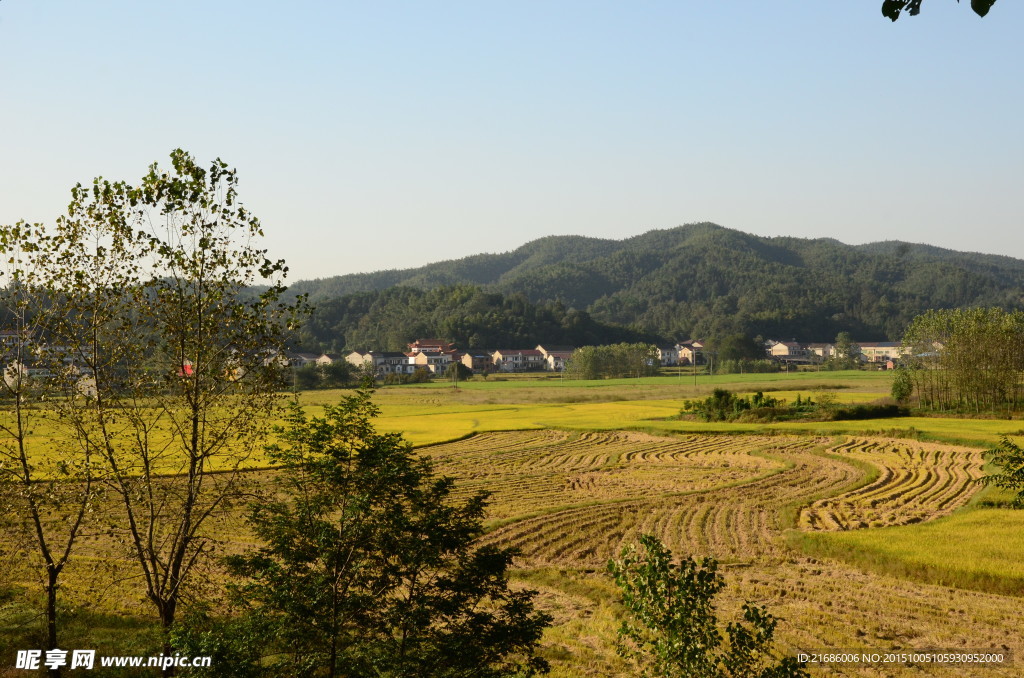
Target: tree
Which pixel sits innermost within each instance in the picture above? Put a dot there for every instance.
(739, 347)
(336, 374)
(613, 360)
(967, 358)
(1009, 457)
(893, 9)
(457, 372)
(902, 384)
(369, 565)
(673, 627)
(846, 354)
(148, 286)
(48, 485)
(305, 378)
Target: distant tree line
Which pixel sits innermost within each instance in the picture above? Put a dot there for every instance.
(613, 360)
(723, 405)
(467, 315)
(747, 366)
(967, 359)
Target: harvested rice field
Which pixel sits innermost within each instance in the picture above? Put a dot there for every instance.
(855, 542)
(569, 501)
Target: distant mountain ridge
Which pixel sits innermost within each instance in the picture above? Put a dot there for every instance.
(705, 279)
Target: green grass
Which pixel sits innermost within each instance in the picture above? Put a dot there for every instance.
(449, 418)
(435, 412)
(976, 549)
(871, 380)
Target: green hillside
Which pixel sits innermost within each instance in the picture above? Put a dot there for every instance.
(706, 280)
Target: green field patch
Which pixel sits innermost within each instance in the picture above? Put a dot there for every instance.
(976, 549)
(443, 420)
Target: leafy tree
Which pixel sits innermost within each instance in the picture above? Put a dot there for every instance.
(846, 354)
(723, 405)
(148, 286)
(737, 347)
(458, 372)
(48, 484)
(336, 374)
(370, 566)
(1009, 457)
(614, 360)
(673, 628)
(970, 358)
(893, 9)
(902, 384)
(748, 366)
(306, 378)
(421, 375)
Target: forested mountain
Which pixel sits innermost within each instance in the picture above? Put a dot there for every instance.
(694, 280)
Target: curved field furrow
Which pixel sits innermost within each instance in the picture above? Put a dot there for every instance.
(551, 472)
(731, 523)
(916, 481)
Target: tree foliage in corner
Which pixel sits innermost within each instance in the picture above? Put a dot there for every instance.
(370, 566)
(673, 628)
(1009, 457)
(893, 9)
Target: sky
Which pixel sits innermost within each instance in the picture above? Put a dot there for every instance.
(380, 135)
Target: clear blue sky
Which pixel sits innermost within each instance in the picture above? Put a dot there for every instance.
(378, 135)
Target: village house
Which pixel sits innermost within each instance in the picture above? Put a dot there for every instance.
(555, 360)
(882, 351)
(668, 355)
(13, 338)
(477, 360)
(788, 350)
(555, 357)
(517, 360)
(438, 345)
(384, 362)
(435, 361)
(690, 351)
(300, 360)
(819, 352)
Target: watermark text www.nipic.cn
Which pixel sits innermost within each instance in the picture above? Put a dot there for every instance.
(32, 660)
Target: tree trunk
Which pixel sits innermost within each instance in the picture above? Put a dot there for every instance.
(167, 611)
(52, 574)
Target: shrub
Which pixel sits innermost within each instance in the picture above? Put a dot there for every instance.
(673, 627)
